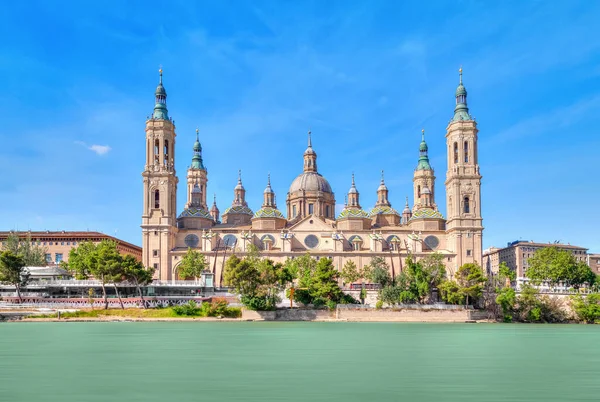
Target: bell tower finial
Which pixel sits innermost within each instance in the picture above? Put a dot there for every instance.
(460, 75)
(309, 139)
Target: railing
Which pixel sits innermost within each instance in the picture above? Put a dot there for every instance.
(96, 283)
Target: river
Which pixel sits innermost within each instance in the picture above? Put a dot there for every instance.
(295, 361)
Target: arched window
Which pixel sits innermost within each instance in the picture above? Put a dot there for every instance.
(327, 211)
(455, 152)
(466, 206)
(156, 150)
(166, 152)
(156, 199)
(466, 152)
(419, 191)
(293, 211)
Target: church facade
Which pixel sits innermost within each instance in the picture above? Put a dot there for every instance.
(310, 223)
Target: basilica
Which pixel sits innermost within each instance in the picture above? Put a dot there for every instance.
(309, 224)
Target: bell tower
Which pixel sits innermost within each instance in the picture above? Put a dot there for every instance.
(463, 184)
(159, 218)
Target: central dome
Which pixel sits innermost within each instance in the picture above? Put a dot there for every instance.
(310, 181)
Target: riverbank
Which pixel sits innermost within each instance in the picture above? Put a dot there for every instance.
(296, 314)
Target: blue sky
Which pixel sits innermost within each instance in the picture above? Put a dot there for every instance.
(79, 77)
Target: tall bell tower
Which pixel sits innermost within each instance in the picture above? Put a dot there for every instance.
(159, 218)
(463, 184)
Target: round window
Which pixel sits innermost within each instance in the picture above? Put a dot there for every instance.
(267, 239)
(230, 240)
(311, 241)
(191, 240)
(432, 242)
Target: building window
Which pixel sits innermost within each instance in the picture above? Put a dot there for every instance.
(327, 211)
(154, 253)
(156, 148)
(166, 153)
(156, 199)
(455, 152)
(48, 257)
(58, 257)
(311, 208)
(466, 206)
(293, 211)
(68, 243)
(156, 233)
(62, 243)
(469, 253)
(466, 152)
(155, 266)
(419, 191)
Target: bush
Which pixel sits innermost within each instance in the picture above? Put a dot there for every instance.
(189, 309)
(331, 305)
(379, 305)
(587, 309)
(258, 303)
(506, 299)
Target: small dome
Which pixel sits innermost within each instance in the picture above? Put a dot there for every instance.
(268, 212)
(382, 186)
(160, 90)
(353, 190)
(383, 211)
(310, 151)
(268, 189)
(310, 181)
(461, 90)
(197, 146)
(238, 210)
(423, 146)
(406, 209)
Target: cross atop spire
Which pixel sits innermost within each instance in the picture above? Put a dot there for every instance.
(423, 135)
(160, 71)
(240, 176)
(381, 176)
(197, 132)
(309, 139)
(460, 74)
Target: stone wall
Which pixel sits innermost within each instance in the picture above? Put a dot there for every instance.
(406, 315)
(367, 314)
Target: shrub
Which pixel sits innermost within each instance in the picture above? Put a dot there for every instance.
(506, 299)
(587, 309)
(258, 303)
(188, 309)
(379, 305)
(331, 305)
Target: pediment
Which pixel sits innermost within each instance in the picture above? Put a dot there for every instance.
(311, 223)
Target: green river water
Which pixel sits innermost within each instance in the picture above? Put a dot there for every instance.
(289, 361)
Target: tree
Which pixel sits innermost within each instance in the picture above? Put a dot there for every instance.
(451, 292)
(101, 261)
(380, 272)
(12, 271)
(554, 265)
(192, 265)
(349, 273)
(507, 299)
(32, 254)
(135, 272)
(505, 273)
(257, 281)
(324, 286)
(587, 308)
(470, 278)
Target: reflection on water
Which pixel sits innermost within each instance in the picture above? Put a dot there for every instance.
(297, 362)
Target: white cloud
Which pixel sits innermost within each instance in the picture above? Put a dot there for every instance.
(98, 149)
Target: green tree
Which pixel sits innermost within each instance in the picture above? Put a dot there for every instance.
(324, 285)
(470, 278)
(135, 272)
(506, 299)
(452, 292)
(390, 295)
(192, 265)
(587, 308)
(380, 272)
(32, 254)
(101, 261)
(505, 273)
(13, 272)
(554, 265)
(350, 273)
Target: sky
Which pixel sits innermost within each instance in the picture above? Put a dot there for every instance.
(78, 81)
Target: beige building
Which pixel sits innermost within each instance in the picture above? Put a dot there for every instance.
(594, 263)
(58, 245)
(310, 224)
(517, 253)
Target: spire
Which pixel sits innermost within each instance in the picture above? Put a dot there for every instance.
(353, 189)
(461, 111)
(239, 183)
(423, 163)
(310, 157)
(197, 158)
(268, 189)
(160, 105)
(406, 207)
